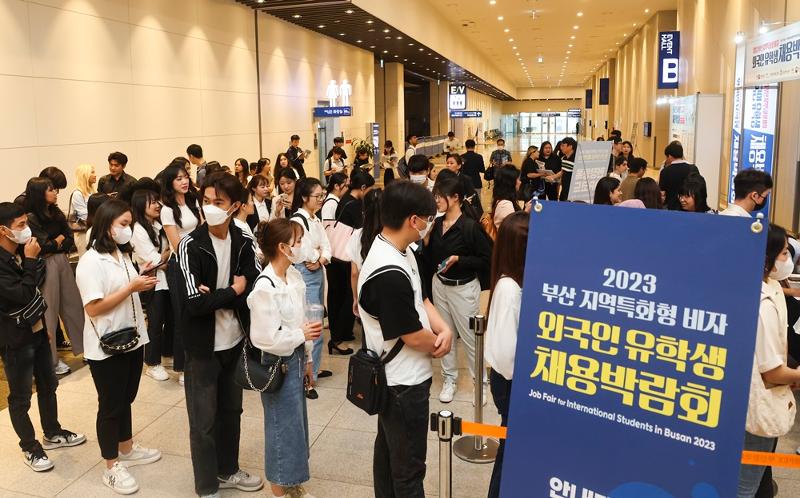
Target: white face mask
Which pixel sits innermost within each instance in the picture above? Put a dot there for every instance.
(294, 256)
(420, 179)
(214, 215)
(783, 269)
(121, 235)
(21, 236)
(424, 231)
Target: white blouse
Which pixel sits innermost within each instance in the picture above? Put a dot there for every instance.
(99, 275)
(188, 220)
(277, 313)
(145, 252)
(501, 329)
(314, 244)
(261, 208)
(78, 205)
(329, 206)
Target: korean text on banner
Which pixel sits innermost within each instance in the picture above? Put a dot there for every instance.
(736, 128)
(591, 164)
(758, 136)
(773, 56)
(632, 376)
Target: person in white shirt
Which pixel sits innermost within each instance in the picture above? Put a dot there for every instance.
(451, 145)
(278, 328)
(315, 253)
(85, 178)
(243, 218)
(412, 147)
(260, 188)
(334, 164)
(766, 421)
(400, 321)
(505, 301)
(109, 286)
(179, 216)
(151, 248)
(336, 189)
(751, 189)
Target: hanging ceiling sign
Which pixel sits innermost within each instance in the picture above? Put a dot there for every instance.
(669, 57)
(773, 56)
(466, 114)
(457, 97)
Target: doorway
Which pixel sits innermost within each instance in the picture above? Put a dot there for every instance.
(327, 129)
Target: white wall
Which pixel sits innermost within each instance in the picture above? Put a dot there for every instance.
(82, 78)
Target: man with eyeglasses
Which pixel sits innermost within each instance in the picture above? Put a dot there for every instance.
(751, 189)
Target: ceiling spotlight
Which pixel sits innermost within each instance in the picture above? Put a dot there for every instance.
(500, 18)
(540, 59)
(492, 2)
(341, 34)
(739, 38)
(580, 14)
(385, 51)
(572, 37)
(410, 44)
(517, 53)
(370, 21)
(511, 39)
(321, 26)
(634, 25)
(506, 30)
(297, 16)
(372, 46)
(514, 48)
(348, 11)
(260, 1)
(386, 30)
(575, 27)
(570, 45)
(358, 41)
(421, 49)
(646, 11)
(624, 34)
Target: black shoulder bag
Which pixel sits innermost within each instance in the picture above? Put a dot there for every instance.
(367, 387)
(122, 340)
(258, 368)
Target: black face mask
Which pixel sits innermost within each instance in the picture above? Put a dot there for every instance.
(760, 205)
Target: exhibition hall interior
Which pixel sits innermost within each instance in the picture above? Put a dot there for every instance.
(356, 248)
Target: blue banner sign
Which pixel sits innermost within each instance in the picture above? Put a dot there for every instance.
(631, 377)
(333, 112)
(758, 132)
(574, 113)
(669, 56)
(588, 98)
(466, 114)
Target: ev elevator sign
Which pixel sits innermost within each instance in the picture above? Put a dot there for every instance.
(669, 50)
(457, 100)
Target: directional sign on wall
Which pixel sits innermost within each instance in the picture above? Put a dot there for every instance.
(457, 98)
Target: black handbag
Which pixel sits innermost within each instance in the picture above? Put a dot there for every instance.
(31, 313)
(259, 371)
(122, 340)
(366, 377)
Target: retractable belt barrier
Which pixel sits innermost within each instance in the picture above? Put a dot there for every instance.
(446, 425)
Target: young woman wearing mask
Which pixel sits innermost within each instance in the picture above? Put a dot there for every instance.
(180, 215)
(282, 203)
(315, 253)
(278, 328)
(505, 301)
(49, 225)
(110, 286)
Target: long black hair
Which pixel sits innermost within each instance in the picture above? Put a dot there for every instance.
(334, 180)
(695, 187)
(168, 197)
(36, 203)
(100, 237)
(603, 190)
(449, 186)
(372, 220)
(303, 188)
(776, 240)
(245, 170)
(505, 186)
(139, 203)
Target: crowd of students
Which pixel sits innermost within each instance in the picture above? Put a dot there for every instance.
(201, 268)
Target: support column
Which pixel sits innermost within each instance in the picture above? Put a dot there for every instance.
(440, 120)
(394, 104)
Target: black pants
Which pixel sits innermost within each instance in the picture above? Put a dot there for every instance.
(214, 404)
(400, 447)
(177, 302)
(340, 301)
(22, 365)
(116, 380)
(501, 392)
(158, 309)
(566, 180)
(551, 191)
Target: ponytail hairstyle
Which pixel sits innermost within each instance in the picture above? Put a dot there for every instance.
(302, 191)
(334, 180)
(372, 220)
(451, 186)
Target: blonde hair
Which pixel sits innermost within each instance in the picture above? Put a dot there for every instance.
(82, 175)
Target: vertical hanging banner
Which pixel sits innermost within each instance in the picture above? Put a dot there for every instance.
(631, 377)
(758, 129)
(773, 56)
(603, 96)
(669, 59)
(736, 128)
(589, 98)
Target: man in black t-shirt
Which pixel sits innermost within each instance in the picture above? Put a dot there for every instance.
(568, 147)
(675, 172)
(398, 318)
(473, 166)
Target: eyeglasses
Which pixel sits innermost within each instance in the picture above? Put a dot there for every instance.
(316, 196)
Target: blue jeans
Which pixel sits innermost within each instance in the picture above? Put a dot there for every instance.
(750, 475)
(314, 287)
(286, 426)
(22, 365)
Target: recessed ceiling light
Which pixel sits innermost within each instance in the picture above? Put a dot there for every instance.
(500, 18)
(395, 56)
(372, 46)
(517, 53)
(386, 30)
(624, 34)
(385, 51)
(341, 34)
(646, 11)
(410, 44)
(634, 25)
(572, 37)
(421, 49)
(370, 21)
(358, 41)
(514, 47)
(399, 38)
(569, 51)
(506, 30)
(580, 14)
(348, 11)
(297, 16)
(371, 30)
(492, 2)
(260, 1)
(575, 27)
(321, 26)
(511, 39)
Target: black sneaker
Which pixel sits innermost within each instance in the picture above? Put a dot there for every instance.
(37, 460)
(63, 439)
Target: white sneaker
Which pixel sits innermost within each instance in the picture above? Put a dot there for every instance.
(37, 460)
(181, 379)
(157, 372)
(61, 368)
(120, 480)
(241, 481)
(64, 439)
(139, 455)
(448, 391)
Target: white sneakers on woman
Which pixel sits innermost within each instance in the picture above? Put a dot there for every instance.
(139, 455)
(120, 480)
(157, 372)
